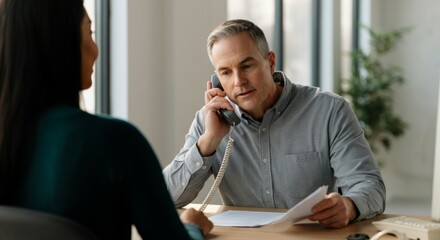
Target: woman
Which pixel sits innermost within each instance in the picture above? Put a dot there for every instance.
(54, 157)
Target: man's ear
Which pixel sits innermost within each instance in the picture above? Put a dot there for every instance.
(271, 59)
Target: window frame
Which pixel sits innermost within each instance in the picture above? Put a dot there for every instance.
(102, 67)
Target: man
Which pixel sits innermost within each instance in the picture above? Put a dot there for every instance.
(292, 139)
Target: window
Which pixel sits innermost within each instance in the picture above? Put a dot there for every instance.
(88, 96)
(305, 38)
(297, 25)
(346, 36)
(96, 98)
(262, 13)
(297, 32)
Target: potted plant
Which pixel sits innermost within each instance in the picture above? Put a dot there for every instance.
(369, 89)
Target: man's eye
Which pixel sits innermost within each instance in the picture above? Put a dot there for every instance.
(245, 67)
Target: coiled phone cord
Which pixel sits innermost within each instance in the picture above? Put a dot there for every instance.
(221, 172)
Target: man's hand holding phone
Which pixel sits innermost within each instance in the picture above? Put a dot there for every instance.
(215, 127)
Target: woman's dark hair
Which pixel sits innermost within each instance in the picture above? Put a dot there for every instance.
(40, 67)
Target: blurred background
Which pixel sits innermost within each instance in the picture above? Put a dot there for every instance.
(153, 67)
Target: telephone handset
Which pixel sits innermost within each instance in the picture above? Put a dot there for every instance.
(228, 115)
(232, 120)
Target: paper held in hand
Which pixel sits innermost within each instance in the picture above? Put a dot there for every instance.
(300, 211)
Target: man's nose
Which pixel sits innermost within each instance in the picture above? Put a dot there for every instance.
(239, 79)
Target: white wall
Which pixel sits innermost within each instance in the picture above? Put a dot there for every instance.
(159, 66)
(409, 170)
(159, 70)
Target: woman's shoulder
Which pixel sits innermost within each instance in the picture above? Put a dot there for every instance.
(111, 125)
(76, 119)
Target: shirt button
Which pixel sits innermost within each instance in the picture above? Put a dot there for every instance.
(203, 167)
(265, 160)
(267, 192)
(197, 164)
(264, 129)
(183, 184)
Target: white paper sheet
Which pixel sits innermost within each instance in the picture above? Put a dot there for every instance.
(255, 219)
(237, 218)
(304, 208)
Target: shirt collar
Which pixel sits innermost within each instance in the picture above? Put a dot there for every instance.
(289, 89)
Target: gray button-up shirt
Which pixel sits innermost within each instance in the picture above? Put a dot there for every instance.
(309, 138)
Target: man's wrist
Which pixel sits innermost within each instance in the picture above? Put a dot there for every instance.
(352, 208)
(207, 144)
(202, 153)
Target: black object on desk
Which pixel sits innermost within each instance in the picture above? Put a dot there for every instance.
(357, 236)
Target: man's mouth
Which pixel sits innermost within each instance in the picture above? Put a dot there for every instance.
(245, 93)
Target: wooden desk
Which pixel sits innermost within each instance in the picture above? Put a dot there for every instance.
(305, 230)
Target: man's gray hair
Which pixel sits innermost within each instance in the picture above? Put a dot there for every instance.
(233, 27)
